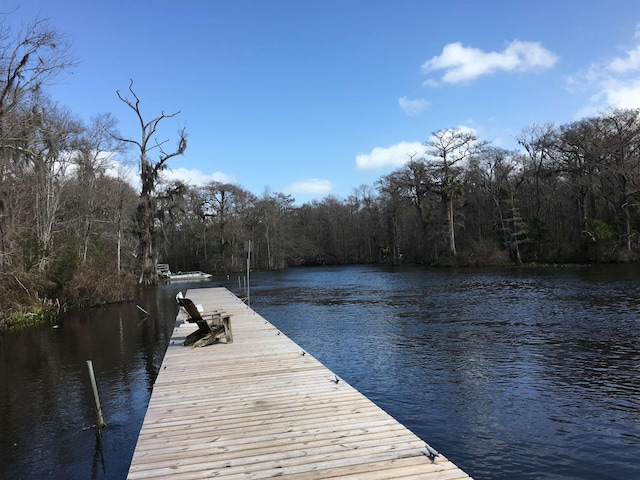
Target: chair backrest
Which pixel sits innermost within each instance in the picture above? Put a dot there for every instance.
(190, 307)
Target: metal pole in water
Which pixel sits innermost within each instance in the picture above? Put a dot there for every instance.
(101, 422)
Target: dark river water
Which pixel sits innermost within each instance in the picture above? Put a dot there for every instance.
(514, 373)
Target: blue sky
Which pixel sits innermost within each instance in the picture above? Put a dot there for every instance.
(313, 98)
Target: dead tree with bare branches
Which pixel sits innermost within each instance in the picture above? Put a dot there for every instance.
(149, 175)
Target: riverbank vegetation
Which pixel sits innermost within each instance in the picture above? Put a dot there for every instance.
(568, 195)
(74, 231)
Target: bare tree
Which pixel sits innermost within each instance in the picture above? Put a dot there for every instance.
(581, 158)
(622, 164)
(539, 141)
(54, 139)
(93, 157)
(29, 60)
(221, 202)
(274, 210)
(497, 167)
(149, 173)
(393, 191)
(448, 149)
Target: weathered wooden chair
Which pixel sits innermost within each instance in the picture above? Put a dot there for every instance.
(206, 334)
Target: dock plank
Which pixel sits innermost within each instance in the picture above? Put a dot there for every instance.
(259, 408)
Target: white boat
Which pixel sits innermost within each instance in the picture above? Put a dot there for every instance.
(192, 275)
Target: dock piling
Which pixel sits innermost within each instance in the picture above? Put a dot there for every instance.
(101, 423)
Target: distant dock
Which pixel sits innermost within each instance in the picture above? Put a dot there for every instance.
(261, 407)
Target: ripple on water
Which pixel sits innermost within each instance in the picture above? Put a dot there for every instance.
(511, 374)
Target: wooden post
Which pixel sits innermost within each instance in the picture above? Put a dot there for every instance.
(101, 423)
(226, 321)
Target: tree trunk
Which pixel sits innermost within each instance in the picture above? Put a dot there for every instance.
(451, 225)
(145, 225)
(627, 226)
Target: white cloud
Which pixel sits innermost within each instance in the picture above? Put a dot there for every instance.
(627, 64)
(429, 82)
(462, 63)
(622, 93)
(196, 177)
(611, 83)
(412, 107)
(393, 156)
(311, 186)
(125, 171)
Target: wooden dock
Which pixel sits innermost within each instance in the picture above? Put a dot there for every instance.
(260, 408)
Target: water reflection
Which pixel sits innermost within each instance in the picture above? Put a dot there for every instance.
(45, 395)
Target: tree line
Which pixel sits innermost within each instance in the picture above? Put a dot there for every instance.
(568, 194)
(71, 229)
